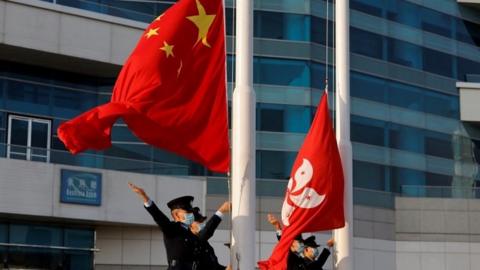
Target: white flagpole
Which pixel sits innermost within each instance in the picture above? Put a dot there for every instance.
(243, 143)
(344, 236)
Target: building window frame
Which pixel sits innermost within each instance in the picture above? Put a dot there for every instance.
(29, 153)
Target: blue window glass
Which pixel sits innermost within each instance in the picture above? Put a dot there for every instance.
(229, 24)
(274, 164)
(3, 120)
(281, 72)
(468, 32)
(373, 7)
(68, 104)
(123, 134)
(403, 12)
(404, 53)
(284, 26)
(369, 131)
(283, 118)
(366, 43)
(369, 175)
(436, 22)
(442, 104)
(405, 96)
(271, 118)
(3, 239)
(434, 179)
(407, 181)
(406, 138)
(28, 97)
(230, 68)
(318, 75)
(318, 31)
(368, 87)
(130, 151)
(437, 62)
(35, 235)
(466, 67)
(78, 238)
(438, 144)
(78, 260)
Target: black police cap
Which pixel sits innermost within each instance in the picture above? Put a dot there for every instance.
(197, 215)
(310, 242)
(184, 203)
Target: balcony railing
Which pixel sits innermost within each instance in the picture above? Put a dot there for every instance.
(98, 161)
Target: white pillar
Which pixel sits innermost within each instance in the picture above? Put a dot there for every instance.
(344, 236)
(243, 143)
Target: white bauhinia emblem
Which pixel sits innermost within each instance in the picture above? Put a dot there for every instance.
(299, 195)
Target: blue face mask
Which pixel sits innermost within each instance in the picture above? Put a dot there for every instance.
(188, 219)
(201, 226)
(316, 252)
(300, 249)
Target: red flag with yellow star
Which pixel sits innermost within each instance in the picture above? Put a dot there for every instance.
(171, 91)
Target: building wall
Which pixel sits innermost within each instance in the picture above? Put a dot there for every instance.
(33, 188)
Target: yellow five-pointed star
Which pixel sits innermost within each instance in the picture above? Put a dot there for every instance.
(203, 22)
(168, 49)
(152, 32)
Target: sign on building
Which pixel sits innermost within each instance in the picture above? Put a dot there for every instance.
(80, 187)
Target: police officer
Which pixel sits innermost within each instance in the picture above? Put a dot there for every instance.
(207, 258)
(295, 255)
(313, 259)
(180, 243)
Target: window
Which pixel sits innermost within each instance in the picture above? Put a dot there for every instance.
(373, 7)
(46, 247)
(366, 43)
(406, 138)
(403, 12)
(274, 164)
(437, 62)
(369, 131)
(281, 72)
(284, 26)
(407, 181)
(368, 175)
(468, 32)
(436, 22)
(368, 87)
(28, 138)
(404, 53)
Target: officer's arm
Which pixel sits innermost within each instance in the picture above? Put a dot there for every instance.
(210, 227)
(160, 218)
(322, 259)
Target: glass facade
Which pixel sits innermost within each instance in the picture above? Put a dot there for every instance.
(405, 125)
(45, 246)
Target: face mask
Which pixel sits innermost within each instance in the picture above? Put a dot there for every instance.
(188, 219)
(300, 249)
(316, 252)
(201, 226)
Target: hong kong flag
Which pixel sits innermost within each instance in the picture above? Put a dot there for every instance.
(171, 91)
(314, 196)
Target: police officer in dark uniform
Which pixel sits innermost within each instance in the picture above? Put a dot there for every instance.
(313, 259)
(181, 244)
(207, 258)
(295, 254)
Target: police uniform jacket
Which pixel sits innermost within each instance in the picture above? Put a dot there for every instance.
(207, 258)
(319, 262)
(180, 243)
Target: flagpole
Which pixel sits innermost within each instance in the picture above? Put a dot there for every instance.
(243, 143)
(344, 236)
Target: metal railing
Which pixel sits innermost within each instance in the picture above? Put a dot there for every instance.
(461, 192)
(15, 245)
(100, 161)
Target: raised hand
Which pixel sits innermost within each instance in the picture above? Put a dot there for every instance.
(274, 221)
(139, 191)
(225, 207)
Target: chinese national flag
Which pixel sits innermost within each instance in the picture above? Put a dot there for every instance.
(314, 196)
(171, 91)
